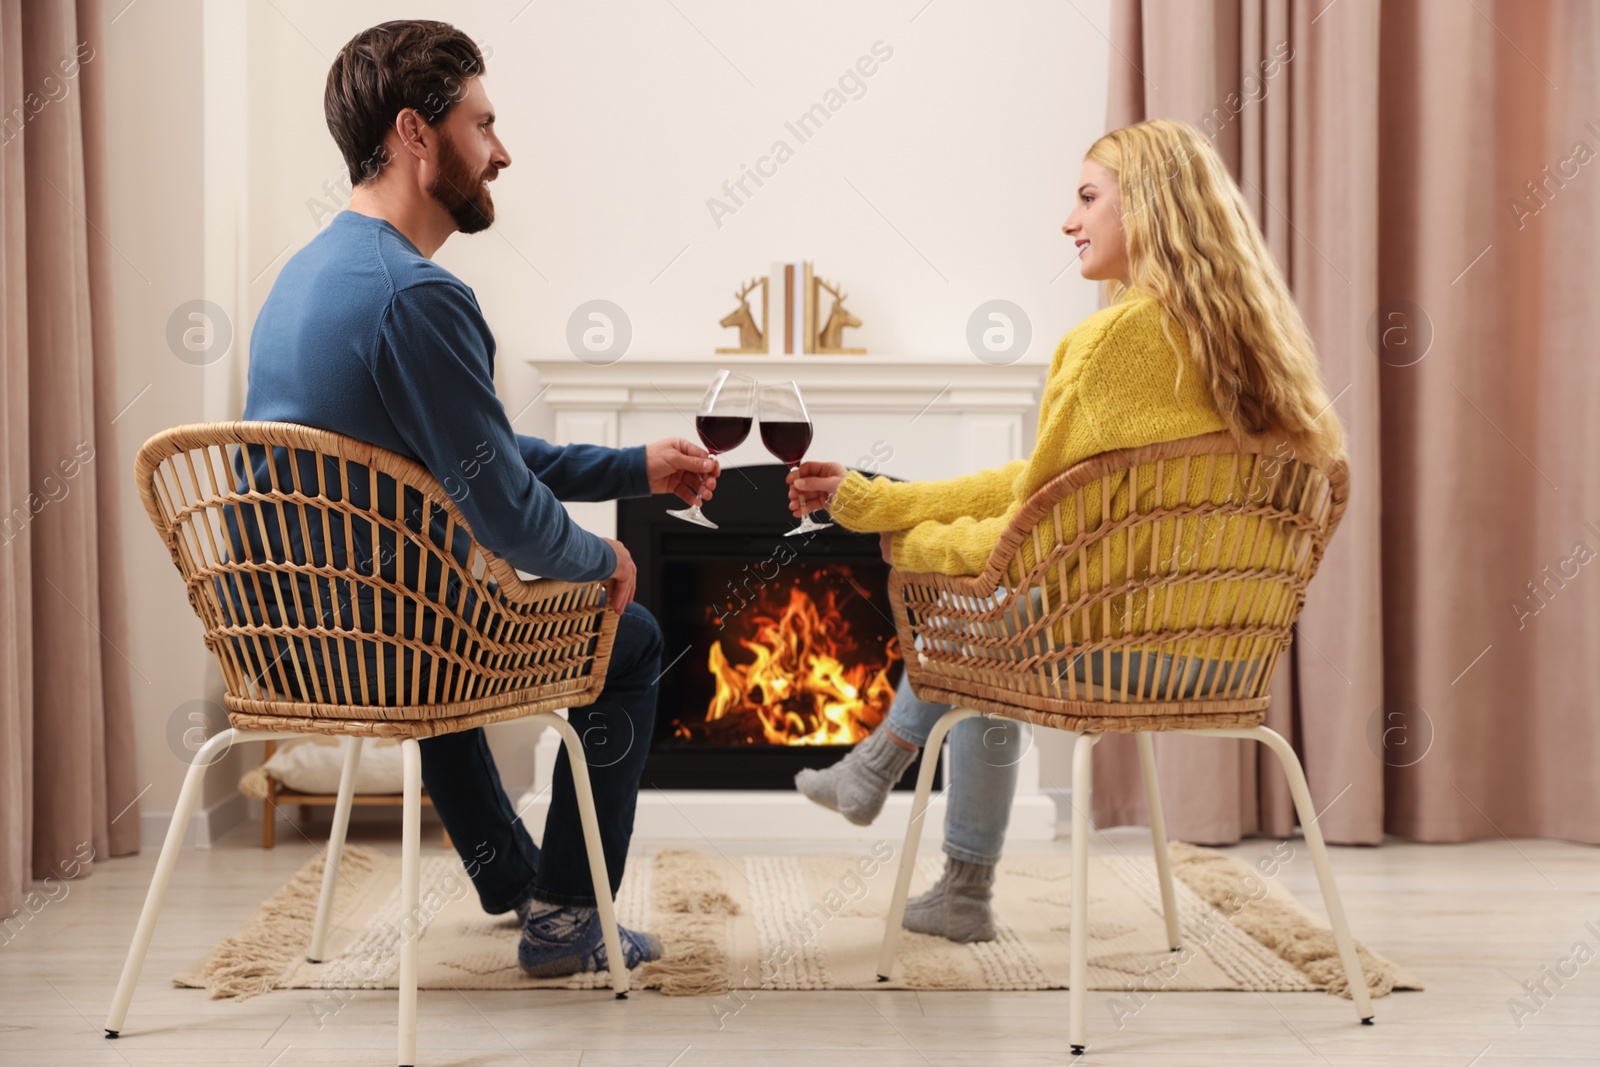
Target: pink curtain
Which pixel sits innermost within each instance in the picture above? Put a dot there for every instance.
(67, 774)
(1426, 173)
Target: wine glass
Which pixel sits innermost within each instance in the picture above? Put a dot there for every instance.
(723, 422)
(786, 431)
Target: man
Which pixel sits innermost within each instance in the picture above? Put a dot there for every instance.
(363, 334)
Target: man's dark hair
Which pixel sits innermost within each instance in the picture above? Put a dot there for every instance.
(410, 63)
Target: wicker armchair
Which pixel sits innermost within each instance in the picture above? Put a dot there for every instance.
(1105, 610)
(342, 593)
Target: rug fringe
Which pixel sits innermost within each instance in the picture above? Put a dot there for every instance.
(692, 907)
(1276, 924)
(253, 961)
(254, 783)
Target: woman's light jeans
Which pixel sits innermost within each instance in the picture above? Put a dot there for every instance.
(984, 753)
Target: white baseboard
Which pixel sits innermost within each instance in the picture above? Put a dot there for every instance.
(687, 814)
(784, 815)
(1061, 796)
(684, 815)
(205, 827)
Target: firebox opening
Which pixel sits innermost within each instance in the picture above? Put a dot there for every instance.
(780, 652)
(796, 654)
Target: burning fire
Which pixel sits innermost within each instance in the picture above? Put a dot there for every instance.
(798, 688)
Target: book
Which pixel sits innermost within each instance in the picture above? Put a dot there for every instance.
(808, 290)
(788, 326)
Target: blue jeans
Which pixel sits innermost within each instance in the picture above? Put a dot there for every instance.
(505, 865)
(984, 753)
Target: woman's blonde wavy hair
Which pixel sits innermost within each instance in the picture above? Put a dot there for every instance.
(1193, 245)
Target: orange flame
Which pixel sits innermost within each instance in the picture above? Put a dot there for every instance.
(798, 690)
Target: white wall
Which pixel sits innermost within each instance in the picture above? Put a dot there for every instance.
(943, 186)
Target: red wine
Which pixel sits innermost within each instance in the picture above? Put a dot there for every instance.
(786, 440)
(722, 433)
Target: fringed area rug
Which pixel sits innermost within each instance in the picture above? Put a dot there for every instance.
(811, 922)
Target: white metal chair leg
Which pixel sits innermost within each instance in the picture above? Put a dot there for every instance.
(330, 866)
(1319, 858)
(410, 895)
(908, 852)
(188, 798)
(1078, 968)
(597, 856)
(1158, 836)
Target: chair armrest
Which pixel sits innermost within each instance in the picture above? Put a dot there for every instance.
(529, 592)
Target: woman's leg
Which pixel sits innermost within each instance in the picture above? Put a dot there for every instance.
(984, 753)
(857, 785)
(910, 717)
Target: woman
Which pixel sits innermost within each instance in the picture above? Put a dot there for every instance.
(1201, 335)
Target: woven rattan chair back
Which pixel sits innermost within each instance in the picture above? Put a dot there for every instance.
(1146, 589)
(341, 590)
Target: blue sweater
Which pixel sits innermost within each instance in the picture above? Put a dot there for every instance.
(365, 336)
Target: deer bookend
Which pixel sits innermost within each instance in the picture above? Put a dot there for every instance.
(752, 335)
(830, 338)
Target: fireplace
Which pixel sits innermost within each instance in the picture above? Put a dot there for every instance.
(780, 652)
(942, 415)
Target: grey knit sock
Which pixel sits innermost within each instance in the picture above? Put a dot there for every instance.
(857, 785)
(957, 907)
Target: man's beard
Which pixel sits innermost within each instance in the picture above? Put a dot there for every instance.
(461, 192)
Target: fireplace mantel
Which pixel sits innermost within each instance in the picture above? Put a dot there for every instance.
(874, 383)
(940, 415)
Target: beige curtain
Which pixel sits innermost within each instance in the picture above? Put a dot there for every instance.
(1427, 173)
(66, 731)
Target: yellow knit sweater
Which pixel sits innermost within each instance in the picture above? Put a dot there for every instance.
(1114, 383)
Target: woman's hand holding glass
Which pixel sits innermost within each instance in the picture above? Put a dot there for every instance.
(812, 485)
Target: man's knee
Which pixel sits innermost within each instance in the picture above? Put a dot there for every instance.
(639, 641)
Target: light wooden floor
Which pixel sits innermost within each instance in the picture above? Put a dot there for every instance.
(1471, 921)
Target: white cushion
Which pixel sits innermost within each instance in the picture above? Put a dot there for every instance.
(313, 766)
